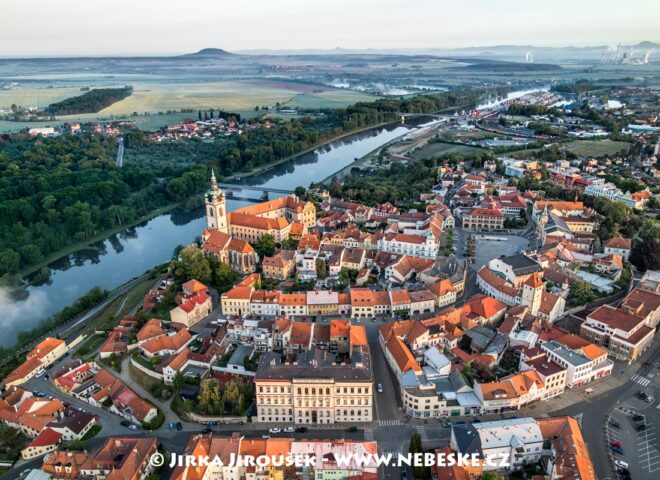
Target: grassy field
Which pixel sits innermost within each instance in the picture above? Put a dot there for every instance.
(230, 96)
(596, 148)
(38, 97)
(431, 150)
(328, 99)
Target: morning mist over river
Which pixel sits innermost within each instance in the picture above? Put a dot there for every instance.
(135, 250)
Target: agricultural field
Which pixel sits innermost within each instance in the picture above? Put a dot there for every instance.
(432, 150)
(150, 100)
(333, 98)
(35, 96)
(233, 96)
(596, 148)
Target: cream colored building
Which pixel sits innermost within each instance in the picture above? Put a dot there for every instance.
(237, 300)
(311, 388)
(192, 310)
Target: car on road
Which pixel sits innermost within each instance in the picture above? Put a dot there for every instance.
(647, 365)
(274, 430)
(616, 449)
(616, 444)
(352, 429)
(179, 426)
(380, 388)
(620, 464)
(289, 430)
(133, 427)
(125, 423)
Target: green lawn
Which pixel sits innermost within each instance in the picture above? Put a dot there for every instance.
(435, 149)
(596, 148)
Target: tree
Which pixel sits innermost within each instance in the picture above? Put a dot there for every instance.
(223, 276)
(232, 396)
(419, 471)
(300, 191)
(178, 381)
(321, 269)
(645, 254)
(580, 293)
(265, 246)
(192, 263)
(9, 261)
(209, 397)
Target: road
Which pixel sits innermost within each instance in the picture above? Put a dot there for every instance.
(594, 412)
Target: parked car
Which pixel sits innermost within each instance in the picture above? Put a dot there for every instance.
(352, 429)
(207, 430)
(133, 427)
(638, 418)
(274, 430)
(620, 464)
(289, 430)
(301, 429)
(179, 426)
(265, 436)
(380, 388)
(616, 449)
(616, 444)
(641, 427)
(404, 473)
(615, 424)
(171, 426)
(124, 423)
(447, 424)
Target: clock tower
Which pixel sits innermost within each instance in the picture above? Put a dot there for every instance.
(216, 207)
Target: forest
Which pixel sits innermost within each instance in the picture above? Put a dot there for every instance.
(56, 192)
(89, 102)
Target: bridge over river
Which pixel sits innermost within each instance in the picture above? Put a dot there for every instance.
(231, 190)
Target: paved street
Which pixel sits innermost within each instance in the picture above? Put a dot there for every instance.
(596, 410)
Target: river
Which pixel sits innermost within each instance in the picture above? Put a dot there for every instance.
(133, 251)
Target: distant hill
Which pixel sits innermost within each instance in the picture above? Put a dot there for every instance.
(210, 52)
(647, 45)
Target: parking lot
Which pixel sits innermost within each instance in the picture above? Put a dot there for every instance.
(487, 249)
(631, 436)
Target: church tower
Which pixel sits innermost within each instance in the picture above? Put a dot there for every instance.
(532, 292)
(216, 207)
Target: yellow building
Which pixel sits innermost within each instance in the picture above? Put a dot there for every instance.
(280, 266)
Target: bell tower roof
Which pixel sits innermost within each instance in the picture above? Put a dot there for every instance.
(215, 190)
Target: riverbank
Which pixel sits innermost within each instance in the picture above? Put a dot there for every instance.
(89, 243)
(17, 281)
(270, 166)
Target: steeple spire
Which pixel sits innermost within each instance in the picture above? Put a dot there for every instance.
(214, 183)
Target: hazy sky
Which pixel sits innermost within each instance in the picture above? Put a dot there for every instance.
(82, 27)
